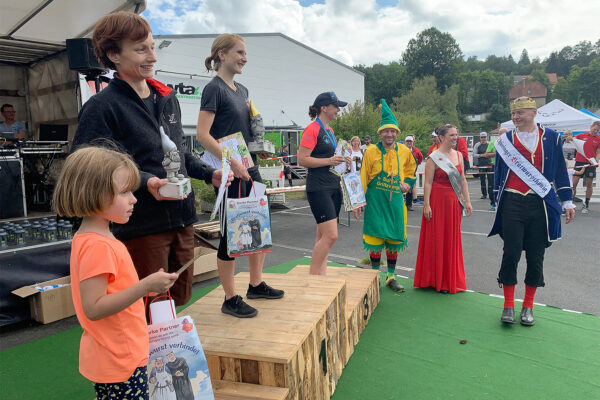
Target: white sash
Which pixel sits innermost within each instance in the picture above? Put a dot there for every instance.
(450, 169)
(521, 166)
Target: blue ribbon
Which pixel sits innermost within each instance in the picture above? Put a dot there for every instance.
(329, 134)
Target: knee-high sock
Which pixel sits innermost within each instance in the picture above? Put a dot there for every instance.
(509, 295)
(529, 295)
(391, 263)
(375, 260)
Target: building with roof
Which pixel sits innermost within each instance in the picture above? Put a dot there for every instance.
(283, 76)
(533, 89)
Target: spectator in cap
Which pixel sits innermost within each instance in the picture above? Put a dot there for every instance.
(411, 195)
(323, 191)
(435, 142)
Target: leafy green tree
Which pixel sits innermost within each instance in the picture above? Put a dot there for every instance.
(507, 65)
(562, 91)
(433, 53)
(498, 113)
(480, 89)
(540, 76)
(383, 81)
(358, 119)
(585, 82)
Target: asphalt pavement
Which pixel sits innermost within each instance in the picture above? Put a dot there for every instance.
(571, 265)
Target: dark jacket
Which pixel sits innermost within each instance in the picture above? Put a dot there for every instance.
(117, 113)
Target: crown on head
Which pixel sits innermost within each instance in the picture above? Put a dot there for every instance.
(522, 102)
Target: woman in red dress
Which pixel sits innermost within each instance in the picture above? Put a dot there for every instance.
(440, 259)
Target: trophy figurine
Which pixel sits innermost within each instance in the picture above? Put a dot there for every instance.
(259, 146)
(178, 186)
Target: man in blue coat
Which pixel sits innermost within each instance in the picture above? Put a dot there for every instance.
(529, 160)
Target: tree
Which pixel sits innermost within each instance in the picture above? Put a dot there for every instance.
(506, 65)
(524, 60)
(383, 81)
(358, 119)
(425, 98)
(433, 53)
(498, 113)
(540, 76)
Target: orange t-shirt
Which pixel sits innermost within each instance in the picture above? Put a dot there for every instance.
(112, 347)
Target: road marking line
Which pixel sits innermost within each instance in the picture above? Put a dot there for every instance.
(310, 251)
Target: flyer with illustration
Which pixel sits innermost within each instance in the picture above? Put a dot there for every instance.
(239, 151)
(177, 367)
(248, 226)
(352, 190)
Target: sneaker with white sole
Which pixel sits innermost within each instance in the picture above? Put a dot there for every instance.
(585, 209)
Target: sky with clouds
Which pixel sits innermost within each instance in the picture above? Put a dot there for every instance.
(371, 31)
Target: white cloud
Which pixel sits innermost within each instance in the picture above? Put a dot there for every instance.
(360, 32)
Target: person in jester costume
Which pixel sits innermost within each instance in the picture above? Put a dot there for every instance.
(388, 171)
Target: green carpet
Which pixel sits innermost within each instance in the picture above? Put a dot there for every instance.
(410, 349)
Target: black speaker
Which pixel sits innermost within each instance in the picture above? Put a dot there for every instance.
(11, 196)
(81, 56)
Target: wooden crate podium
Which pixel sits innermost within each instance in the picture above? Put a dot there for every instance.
(300, 342)
(362, 296)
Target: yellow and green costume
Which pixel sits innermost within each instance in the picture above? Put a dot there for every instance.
(382, 172)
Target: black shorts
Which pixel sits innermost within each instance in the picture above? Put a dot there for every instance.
(589, 172)
(325, 204)
(237, 189)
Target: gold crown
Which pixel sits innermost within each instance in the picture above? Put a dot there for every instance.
(522, 102)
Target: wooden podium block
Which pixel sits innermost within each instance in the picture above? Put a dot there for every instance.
(294, 342)
(225, 390)
(362, 296)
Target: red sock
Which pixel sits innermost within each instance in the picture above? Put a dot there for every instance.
(529, 295)
(509, 295)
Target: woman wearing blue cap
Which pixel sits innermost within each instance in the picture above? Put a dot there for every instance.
(323, 191)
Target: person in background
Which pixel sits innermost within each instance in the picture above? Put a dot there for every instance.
(9, 128)
(367, 143)
(570, 151)
(525, 220)
(224, 110)
(461, 146)
(106, 291)
(411, 195)
(440, 258)
(582, 164)
(388, 173)
(131, 111)
(356, 153)
(486, 172)
(323, 191)
(435, 141)
(285, 159)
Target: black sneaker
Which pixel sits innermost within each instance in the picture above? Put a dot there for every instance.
(237, 307)
(263, 291)
(394, 285)
(577, 200)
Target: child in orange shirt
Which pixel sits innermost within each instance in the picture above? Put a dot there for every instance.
(96, 184)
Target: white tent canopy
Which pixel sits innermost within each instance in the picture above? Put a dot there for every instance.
(31, 30)
(559, 116)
